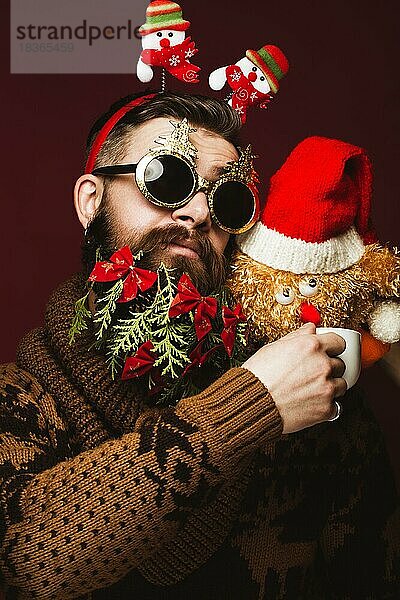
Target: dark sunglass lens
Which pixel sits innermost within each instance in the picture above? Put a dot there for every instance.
(233, 204)
(169, 179)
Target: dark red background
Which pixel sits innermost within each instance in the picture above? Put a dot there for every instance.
(343, 83)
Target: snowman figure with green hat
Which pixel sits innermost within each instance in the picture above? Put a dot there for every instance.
(165, 44)
(254, 79)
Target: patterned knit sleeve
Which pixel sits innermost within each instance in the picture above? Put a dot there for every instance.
(73, 526)
(32, 438)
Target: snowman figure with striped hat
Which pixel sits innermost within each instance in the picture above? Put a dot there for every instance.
(165, 44)
(254, 79)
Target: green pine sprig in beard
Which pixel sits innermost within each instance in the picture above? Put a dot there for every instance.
(173, 339)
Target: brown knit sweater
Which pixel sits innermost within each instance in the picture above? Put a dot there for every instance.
(206, 500)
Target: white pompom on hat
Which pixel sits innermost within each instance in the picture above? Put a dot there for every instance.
(384, 322)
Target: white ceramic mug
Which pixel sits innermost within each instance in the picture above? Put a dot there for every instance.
(352, 353)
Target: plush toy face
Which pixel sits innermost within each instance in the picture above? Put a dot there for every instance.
(254, 74)
(162, 39)
(277, 302)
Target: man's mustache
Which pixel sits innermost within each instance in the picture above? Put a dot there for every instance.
(161, 237)
(208, 272)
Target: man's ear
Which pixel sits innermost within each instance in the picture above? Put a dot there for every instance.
(88, 193)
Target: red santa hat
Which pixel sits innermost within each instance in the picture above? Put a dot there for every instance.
(317, 215)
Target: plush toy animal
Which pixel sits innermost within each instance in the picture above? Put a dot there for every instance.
(314, 256)
(165, 43)
(254, 79)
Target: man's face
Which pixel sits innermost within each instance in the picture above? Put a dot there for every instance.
(132, 212)
(131, 219)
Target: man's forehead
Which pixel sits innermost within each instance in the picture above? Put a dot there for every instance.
(152, 134)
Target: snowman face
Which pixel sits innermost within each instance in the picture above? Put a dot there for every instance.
(260, 81)
(162, 39)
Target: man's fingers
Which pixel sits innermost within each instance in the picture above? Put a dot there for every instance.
(338, 367)
(332, 343)
(340, 387)
(305, 329)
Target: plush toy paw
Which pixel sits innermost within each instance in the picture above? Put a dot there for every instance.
(217, 79)
(144, 72)
(372, 349)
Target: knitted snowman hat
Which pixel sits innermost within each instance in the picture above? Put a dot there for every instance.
(317, 215)
(272, 62)
(162, 14)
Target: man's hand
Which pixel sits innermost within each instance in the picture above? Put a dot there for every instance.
(302, 375)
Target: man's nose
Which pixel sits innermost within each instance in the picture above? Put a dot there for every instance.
(195, 214)
(252, 76)
(165, 43)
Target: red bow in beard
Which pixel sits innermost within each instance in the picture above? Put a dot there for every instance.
(189, 298)
(197, 358)
(244, 92)
(122, 263)
(231, 319)
(139, 364)
(175, 60)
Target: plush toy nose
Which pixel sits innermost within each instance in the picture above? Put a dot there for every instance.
(165, 43)
(309, 314)
(252, 76)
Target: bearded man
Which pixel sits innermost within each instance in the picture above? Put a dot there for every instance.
(104, 494)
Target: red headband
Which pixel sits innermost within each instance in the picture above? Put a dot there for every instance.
(105, 130)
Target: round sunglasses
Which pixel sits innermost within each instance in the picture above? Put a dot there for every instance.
(169, 180)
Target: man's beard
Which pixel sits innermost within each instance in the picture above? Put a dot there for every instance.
(208, 272)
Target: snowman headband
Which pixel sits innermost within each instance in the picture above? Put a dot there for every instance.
(254, 79)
